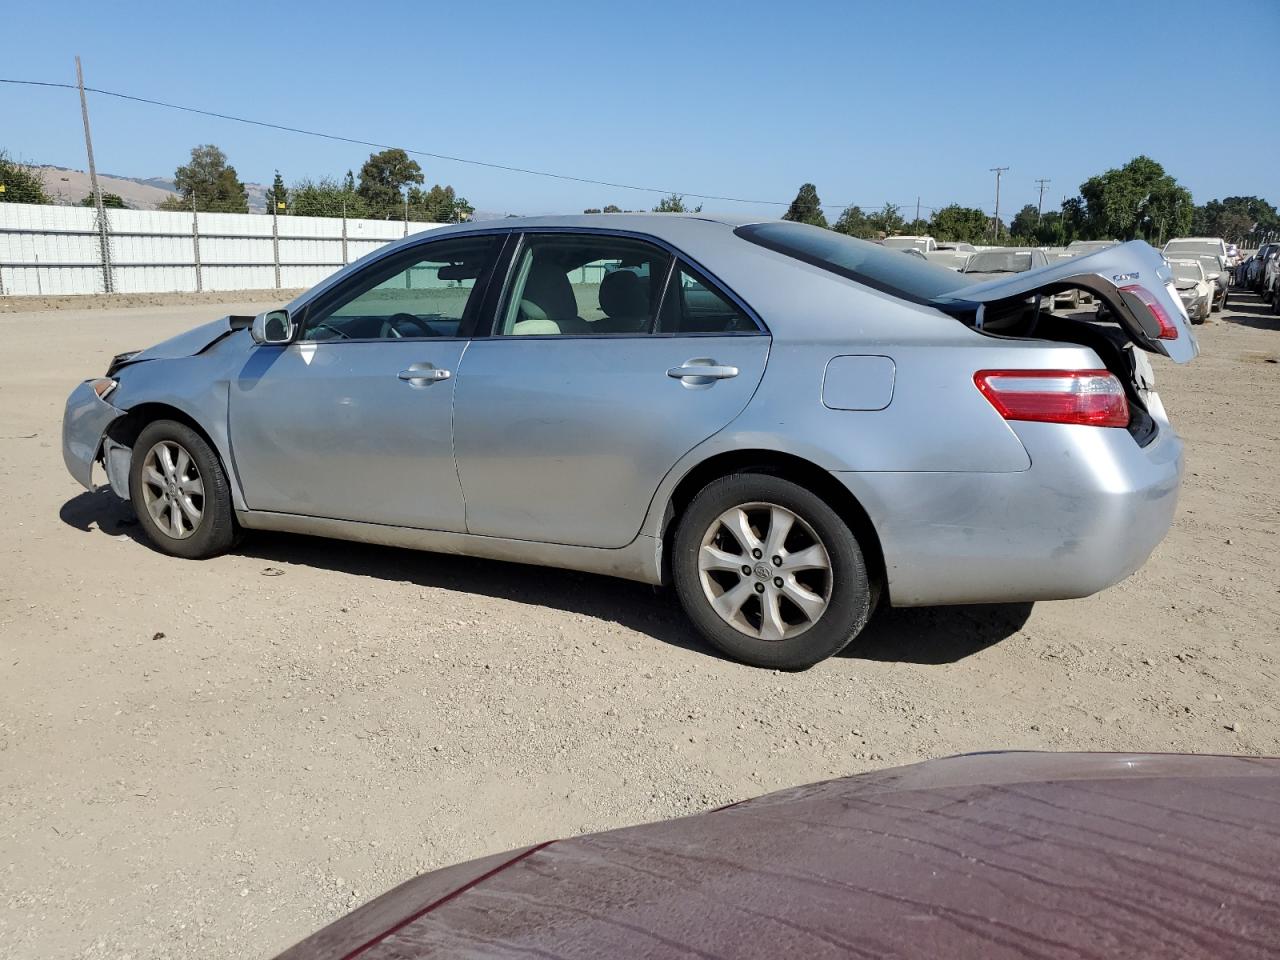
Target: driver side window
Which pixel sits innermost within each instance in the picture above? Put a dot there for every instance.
(427, 291)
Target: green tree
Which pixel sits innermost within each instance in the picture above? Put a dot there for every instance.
(806, 207)
(1234, 218)
(592, 210)
(1073, 220)
(671, 204)
(887, 220)
(1024, 223)
(1049, 231)
(277, 196)
(112, 201)
(614, 208)
(854, 223)
(383, 177)
(21, 183)
(438, 205)
(326, 197)
(916, 228)
(1138, 200)
(960, 224)
(211, 181)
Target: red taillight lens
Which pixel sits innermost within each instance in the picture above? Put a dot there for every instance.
(1091, 397)
(1167, 330)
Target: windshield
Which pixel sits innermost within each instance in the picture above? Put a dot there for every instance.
(1193, 246)
(903, 243)
(1187, 269)
(1209, 261)
(860, 260)
(999, 261)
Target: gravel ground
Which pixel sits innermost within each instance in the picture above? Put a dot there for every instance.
(213, 759)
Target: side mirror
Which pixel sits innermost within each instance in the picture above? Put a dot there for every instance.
(274, 326)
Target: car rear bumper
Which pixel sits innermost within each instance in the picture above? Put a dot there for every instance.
(86, 418)
(1085, 515)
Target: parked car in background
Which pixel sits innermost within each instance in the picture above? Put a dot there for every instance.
(950, 258)
(990, 855)
(986, 264)
(1271, 274)
(1194, 288)
(923, 244)
(1180, 246)
(1215, 271)
(786, 423)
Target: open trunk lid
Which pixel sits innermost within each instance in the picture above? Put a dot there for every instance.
(1131, 278)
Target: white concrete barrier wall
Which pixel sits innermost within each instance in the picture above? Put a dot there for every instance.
(56, 250)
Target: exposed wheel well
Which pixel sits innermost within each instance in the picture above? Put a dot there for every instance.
(797, 470)
(125, 430)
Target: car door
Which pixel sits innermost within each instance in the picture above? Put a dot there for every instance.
(353, 420)
(608, 360)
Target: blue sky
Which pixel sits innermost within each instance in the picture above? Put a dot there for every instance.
(870, 101)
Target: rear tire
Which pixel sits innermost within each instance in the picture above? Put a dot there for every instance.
(785, 616)
(180, 493)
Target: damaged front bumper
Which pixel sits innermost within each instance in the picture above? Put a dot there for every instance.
(84, 426)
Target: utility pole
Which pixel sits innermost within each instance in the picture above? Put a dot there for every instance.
(917, 209)
(1040, 204)
(998, 171)
(93, 183)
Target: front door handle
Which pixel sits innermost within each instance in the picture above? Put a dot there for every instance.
(701, 372)
(423, 374)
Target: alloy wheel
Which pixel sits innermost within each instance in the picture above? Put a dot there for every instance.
(765, 571)
(172, 489)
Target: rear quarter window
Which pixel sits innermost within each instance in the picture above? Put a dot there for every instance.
(880, 268)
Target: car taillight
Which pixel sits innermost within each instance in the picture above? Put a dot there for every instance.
(1167, 330)
(1089, 397)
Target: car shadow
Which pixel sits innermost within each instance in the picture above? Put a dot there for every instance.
(935, 635)
(1253, 312)
(932, 636)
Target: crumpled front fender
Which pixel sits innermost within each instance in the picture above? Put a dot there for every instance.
(85, 421)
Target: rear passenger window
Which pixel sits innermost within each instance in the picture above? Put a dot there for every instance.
(693, 305)
(565, 285)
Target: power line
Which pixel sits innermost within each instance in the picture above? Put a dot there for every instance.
(871, 207)
(421, 153)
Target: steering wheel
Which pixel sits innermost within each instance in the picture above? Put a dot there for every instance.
(324, 325)
(391, 324)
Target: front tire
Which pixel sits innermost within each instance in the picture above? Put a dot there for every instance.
(180, 493)
(769, 573)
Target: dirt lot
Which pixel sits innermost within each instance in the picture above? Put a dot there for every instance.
(209, 760)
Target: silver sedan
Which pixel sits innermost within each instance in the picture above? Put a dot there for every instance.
(788, 424)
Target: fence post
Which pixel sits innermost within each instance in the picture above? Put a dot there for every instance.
(345, 259)
(406, 214)
(195, 242)
(275, 241)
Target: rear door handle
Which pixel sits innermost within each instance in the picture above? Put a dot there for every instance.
(701, 371)
(423, 374)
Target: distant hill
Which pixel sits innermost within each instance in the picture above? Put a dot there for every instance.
(72, 186)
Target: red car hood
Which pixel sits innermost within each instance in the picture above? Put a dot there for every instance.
(988, 855)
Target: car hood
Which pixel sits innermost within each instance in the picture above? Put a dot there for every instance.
(194, 341)
(986, 855)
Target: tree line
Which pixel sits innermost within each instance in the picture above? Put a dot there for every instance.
(1138, 201)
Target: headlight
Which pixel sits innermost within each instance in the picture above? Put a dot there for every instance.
(103, 386)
